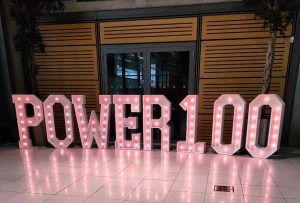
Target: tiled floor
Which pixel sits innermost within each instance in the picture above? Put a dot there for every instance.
(112, 176)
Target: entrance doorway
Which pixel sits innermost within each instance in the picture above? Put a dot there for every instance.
(152, 69)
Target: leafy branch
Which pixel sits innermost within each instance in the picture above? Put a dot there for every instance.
(276, 16)
(27, 37)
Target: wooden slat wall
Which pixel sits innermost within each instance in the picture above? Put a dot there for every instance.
(142, 31)
(68, 67)
(69, 34)
(67, 62)
(241, 58)
(237, 26)
(233, 53)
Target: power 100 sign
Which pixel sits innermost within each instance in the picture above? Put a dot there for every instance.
(94, 129)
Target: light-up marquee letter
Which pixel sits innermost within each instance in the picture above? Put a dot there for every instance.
(23, 121)
(49, 120)
(190, 104)
(93, 129)
(218, 121)
(131, 122)
(274, 134)
(161, 123)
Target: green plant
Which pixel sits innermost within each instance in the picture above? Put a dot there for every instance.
(28, 38)
(276, 16)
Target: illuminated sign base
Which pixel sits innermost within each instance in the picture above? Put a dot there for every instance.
(98, 129)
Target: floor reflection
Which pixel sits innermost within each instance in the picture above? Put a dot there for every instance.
(99, 175)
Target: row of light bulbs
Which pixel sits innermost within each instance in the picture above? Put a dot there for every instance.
(99, 130)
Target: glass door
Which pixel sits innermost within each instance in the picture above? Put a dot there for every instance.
(124, 71)
(166, 69)
(170, 77)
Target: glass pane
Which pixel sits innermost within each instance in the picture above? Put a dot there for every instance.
(169, 77)
(125, 73)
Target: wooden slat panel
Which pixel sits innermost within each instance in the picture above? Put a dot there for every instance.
(233, 56)
(234, 26)
(241, 58)
(68, 67)
(141, 31)
(88, 88)
(68, 34)
(67, 62)
(211, 89)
